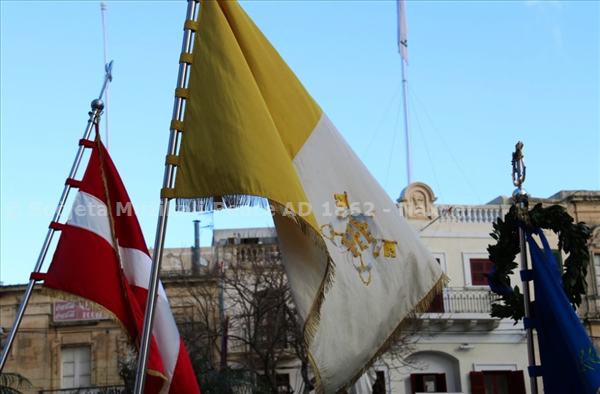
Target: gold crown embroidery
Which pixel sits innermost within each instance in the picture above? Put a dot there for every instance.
(357, 238)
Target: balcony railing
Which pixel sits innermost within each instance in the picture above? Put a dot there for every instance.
(176, 273)
(87, 390)
(258, 252)
(459, 300)
(471, 213)
(454, 213)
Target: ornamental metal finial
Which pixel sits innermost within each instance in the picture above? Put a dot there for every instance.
(97, 105)
(518, 164)
(518, 174)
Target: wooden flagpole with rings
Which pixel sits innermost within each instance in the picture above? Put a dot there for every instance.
(176, 127)
(521, 199)
(97, 107)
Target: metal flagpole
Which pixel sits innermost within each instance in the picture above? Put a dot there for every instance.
(103, 8)
(97, 107)
(406, 124)
(403, 49)
(520, 197)
(161, 226)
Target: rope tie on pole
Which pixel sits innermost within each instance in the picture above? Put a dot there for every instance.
(73, 183)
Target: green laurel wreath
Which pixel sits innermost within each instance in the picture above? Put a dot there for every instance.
(572, 239)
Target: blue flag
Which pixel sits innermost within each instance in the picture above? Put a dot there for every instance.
(570, 364)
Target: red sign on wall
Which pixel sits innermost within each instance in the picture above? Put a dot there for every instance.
(72, 311)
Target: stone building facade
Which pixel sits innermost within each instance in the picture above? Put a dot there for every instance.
(460, 348)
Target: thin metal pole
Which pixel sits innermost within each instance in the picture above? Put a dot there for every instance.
(406, 124)
(161, 226)
(97, 107)
(521, 196)
(103, 8)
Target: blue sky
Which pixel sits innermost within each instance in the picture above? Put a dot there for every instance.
(482, 76)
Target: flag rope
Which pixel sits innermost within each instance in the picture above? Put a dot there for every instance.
(111, 219)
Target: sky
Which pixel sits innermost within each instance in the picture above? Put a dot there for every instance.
(482, 76)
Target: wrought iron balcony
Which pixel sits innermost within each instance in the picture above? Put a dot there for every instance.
(460, 300)
(460, 305)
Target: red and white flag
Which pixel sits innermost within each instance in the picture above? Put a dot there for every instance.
(106, 262)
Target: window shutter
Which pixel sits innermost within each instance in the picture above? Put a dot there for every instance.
(516, 382)
(478, 268)
(413, 382)
(478, 383)
(440, 383)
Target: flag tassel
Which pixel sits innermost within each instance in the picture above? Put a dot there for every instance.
(396, 335)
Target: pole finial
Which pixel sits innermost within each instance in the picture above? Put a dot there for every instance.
(97, 104)
(518, 164)
(520, 195)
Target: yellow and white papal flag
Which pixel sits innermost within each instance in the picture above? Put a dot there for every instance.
(251, 131)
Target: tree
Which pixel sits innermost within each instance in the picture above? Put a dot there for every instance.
(11, 382)
(242, 303)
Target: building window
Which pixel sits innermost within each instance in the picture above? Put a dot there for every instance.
(283, 383)
(379, 385)
(382, 380)
(479, 267)
(428, 383)
(76, 367)
(271, 319)
(597, 269)
(475, 266)
(497, 382)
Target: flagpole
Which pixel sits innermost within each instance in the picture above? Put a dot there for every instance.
(406, 124)
(521, 198)
(161, 227)
(97, 107)
(103, 8)
(403, 49)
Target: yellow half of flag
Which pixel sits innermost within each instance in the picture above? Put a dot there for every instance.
(252, 131)
(247, 115)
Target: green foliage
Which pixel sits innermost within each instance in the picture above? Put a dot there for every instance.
(127, 372)
(572, 239)
(502, 254)
(11, 382)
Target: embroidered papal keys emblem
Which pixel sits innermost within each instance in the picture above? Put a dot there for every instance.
(355, 234)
